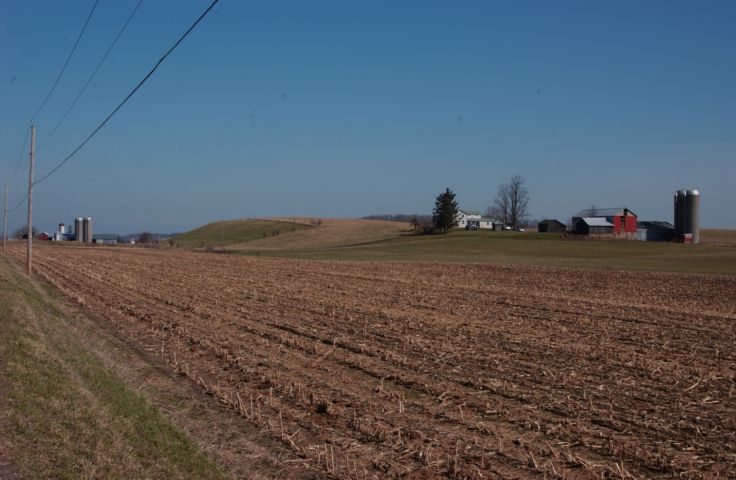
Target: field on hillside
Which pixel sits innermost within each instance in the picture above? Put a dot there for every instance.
(427, 370)
(329, 232)
(519, 248)
(235, 231)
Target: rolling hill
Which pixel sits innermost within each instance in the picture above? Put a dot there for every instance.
(231, 232)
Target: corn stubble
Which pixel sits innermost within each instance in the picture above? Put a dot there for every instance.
(386, 370)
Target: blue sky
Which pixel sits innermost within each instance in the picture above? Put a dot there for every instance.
(352, 108)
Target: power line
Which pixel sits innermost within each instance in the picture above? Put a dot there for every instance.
(19, 204)
(89, 80)
(20, 156)
(132, 92)
(53, 87)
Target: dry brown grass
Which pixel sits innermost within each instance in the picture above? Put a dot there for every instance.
(328, 232)
(718, 237)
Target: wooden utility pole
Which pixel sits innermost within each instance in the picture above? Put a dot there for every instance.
(222, 236)
(5, 217)
(30, 200)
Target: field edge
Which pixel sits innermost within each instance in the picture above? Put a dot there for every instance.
(68, 414)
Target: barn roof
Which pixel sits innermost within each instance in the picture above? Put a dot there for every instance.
(469, 212)
(655, 224)
(596, 222)
(602, 212)
(549, 220)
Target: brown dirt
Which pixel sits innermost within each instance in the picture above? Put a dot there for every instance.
(435, 370)
(236, 444)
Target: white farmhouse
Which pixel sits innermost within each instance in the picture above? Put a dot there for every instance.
(471, 220)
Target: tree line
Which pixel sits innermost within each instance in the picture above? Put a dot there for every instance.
(510, 206)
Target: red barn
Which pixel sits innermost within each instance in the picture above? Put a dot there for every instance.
(623, 220)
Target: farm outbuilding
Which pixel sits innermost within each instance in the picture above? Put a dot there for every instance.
(105, 238)
(655, 231)
(623, 220)
(551, 226)
(592, 226)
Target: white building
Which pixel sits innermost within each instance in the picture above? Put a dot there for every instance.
(471, 220)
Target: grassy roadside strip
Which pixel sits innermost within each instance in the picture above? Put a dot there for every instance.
(65, 415)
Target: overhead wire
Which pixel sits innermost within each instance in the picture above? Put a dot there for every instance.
(132, 92)
(20, 156)
(19, 204)
(92, 76)
(17, 169)
(46, 99)
(68, 59)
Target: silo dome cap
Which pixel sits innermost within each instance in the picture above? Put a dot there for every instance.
(692, 191)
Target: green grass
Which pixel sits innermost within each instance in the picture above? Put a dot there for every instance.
(68, 416)
(532, 249)
(234, 232)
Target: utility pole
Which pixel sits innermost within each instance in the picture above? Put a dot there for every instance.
(222, 236)
(30, 200)
(5, 217)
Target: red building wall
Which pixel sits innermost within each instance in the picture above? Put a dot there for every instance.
(617, 225)
(628, 225)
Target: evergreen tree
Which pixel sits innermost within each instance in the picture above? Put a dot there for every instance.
(445, 211)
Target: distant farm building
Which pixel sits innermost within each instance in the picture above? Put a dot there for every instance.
(105, 238)
(471, 220)
(551, 226)
(655, 231)
(622, 220)
(595, 226)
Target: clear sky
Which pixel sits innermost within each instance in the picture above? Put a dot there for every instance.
(348, 108)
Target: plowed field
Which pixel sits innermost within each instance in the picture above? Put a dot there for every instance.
(381, 370)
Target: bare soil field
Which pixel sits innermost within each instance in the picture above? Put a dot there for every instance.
(431, 370)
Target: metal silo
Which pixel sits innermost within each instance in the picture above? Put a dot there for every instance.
(691, 214)
(78, 234)
(88, 230)
(680, 212)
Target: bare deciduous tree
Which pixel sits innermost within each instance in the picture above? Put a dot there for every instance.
(511, 202)
(145, 237)
(23, 231)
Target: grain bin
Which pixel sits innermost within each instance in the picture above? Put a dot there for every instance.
(687, 215)
(78, 233)
(679, 212)
(691, 214)
(87, 230)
